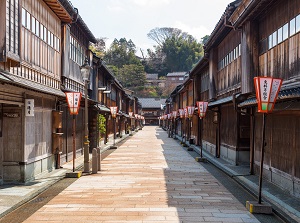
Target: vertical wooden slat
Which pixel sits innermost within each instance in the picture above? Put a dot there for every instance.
(249, 47)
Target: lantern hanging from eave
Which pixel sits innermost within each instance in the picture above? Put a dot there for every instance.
(130, 114)
(181, 112)
(267, 89)
(190, 111)
(202, 108)
(169, 116)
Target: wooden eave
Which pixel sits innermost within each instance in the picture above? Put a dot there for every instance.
(202, 63)
(59, 10)
(86, 30)
(248, 9)
(222, 28)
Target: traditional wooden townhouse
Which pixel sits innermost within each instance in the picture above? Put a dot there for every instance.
(183, 98)
(200, 75)
(112, 94)
(270, 43)
(30, 72)
(225, 131)
(253, 38)
(152, 109)
(75, 41)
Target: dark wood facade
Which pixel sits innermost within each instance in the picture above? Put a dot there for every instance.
(43, 43)
(30, 68)
(252, 38)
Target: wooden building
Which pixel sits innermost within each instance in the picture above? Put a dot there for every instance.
(152, 109)
(252, 38)
(43, 45)
(30, 73)
(270, 47)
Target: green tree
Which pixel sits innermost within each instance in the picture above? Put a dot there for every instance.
(121, 52)
(123, 62)
(175, 51)
(204, 39)
(131, 75)
(181, 52)
(99, 47)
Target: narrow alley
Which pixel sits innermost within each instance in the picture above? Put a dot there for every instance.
(149, 178)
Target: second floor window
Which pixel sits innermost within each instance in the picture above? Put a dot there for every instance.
(76, 51)
(38, 29)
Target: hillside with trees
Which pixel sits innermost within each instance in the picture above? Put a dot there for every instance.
(175, 51)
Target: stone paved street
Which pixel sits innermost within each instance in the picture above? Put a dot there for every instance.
(149, 178)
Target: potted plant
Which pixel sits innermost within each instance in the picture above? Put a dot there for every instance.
(101, 124)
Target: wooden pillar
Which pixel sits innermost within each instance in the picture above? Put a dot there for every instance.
(213, 69)
(249, 53)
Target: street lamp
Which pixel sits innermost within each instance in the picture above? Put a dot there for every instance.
(85, 73)
(190, 112)
(266, 89)
(202, 108)
(174, 123)
(181, 115)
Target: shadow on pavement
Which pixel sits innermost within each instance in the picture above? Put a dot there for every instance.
(201, 192)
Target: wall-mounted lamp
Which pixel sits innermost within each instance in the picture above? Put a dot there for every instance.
(107, 92)
(216, 118)
(102, 88)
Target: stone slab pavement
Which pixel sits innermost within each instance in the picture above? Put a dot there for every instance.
(148, 179)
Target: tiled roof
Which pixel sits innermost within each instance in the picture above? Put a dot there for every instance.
(152, 102)
(176, 74)
(288, 93)
(14, 79)
(72, 11)
(220, 101)
(152, 76)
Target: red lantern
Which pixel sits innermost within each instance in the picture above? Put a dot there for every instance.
(185, 113)
(113, 111)
(73, 99)
(174, 114)
(190, 111)
(267, 89)
(181, 112)
(202, 108)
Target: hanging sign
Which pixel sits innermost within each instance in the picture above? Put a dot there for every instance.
(73, 99)
(267, 89)
(29, 107)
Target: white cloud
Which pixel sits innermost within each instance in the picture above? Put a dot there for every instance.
(197, 32)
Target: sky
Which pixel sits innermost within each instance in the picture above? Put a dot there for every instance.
(133, 19)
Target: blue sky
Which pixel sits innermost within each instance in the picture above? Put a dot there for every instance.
(133, 19)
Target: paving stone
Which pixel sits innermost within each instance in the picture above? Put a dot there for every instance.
(146, 180)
